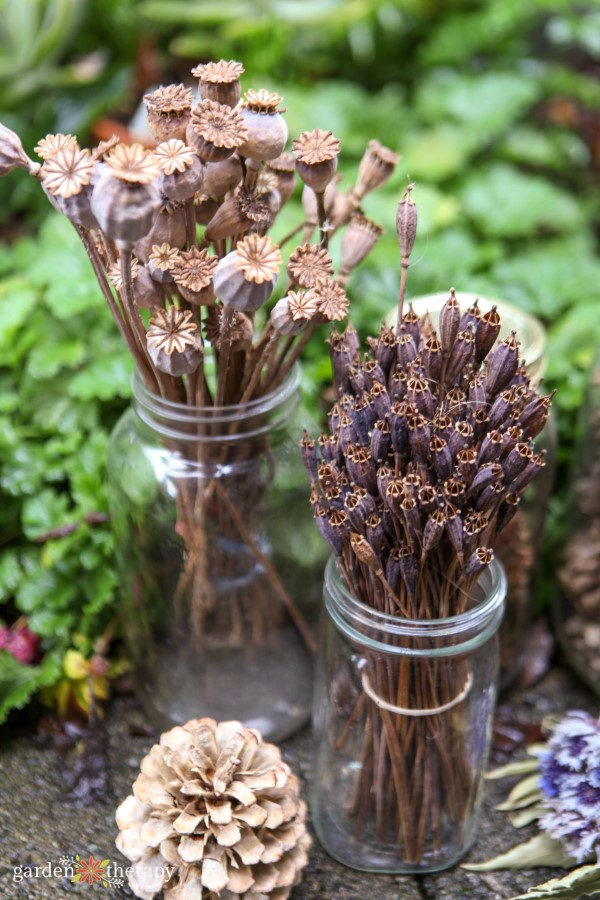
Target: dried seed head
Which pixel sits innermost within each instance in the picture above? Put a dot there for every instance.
(66, 172)
(488, 329)
(51, 144)
(302, 305)
(169, 110)
(309, 456)
(245, 278)
(238, 214)
(502, 365)
(284, 167)
(172, 340)
(219, 81)
(266, 129)
(132, 164)
(126, 209)
(479, 560)
(258, 258)
(364, 552)
(310, 265)
(375, 168)
(222, 177)
(449, 322)
(406, 224)
(282, 319)
(316, 158)
(174, 156)
(359, 239)
(104, 147)
(115, 273)
(332, 302)
(215, 131)
(193, 274)
(162, 261)
(241, 329)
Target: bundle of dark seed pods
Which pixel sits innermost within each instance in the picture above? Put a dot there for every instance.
(220, 163)
(429, 451)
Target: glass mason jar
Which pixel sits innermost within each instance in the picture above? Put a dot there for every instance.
(519, 546)
(216, 558)
(402, 723)
(576, 608)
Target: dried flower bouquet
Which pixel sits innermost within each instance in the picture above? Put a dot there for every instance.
(191, 302)
(428, 453)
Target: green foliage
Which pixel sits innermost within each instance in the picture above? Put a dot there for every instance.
(64, 378)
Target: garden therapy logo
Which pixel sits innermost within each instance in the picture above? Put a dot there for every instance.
(90, 871)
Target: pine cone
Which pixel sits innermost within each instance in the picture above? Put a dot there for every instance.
(222, 808)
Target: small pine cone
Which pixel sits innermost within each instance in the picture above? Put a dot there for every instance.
(222, 808)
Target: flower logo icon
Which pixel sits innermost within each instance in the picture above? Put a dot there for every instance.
(90, 870)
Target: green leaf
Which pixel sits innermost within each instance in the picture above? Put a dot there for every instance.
(440, 152)
(541, 850)
(17, 300)
(583, 881)
(46, 511)
(47, 359)
(19, 682)
(105, 378)
(10, 573)
(504, 202)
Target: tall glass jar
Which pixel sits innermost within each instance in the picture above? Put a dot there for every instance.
(402, 722)
(216, 559)
(576, 609)
(520, 545)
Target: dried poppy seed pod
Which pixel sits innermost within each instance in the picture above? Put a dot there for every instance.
(169, 227)
(460, 355)
(282, 319)
(309, 203)
(406, 223)
(245, 278)
(364, 552)
(205, 208)
(162, 261)
(309, 456)
(12, 154)
(222, 177)
(533, 417)
(309, 266)
(381, 440)
(172, 341)
(169, 111)
(215, 131)
(193, 274)
(284, 167)
(406, 348)
(238, 214)
(376, 166)
(266, 130)
(433, 531)
(182, 171)
(146, 292)
(478, 561)
(220, 81)
(358, 240)
(126, 199)
(384, 348)
(316, 158)
(431, 356)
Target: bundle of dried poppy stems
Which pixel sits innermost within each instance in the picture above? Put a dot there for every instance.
(221, 163)
(429, 450)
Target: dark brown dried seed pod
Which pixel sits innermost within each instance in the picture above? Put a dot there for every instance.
(419, 435)
(316, 158)
(412, 519)
(381, 441)
(476, 396)
(265, 126)
(535, 414)
(478, 561)
(220, 81)
(517, 460)
(409, 568)
(413, 325)
(510, 438)
(361, 470)
(392, 570)
(502, 365)
(398, 384)
(449, 322)
(490, 449)
(470, 317)
(454, 490)
(454, 529)
(461, 355)
(488, 473)
(376, 166)
(406, 223)
(363, 418)
(507, 511)
(441, 457)
(531, 471)
(431, 356)
(394, 495)
(488, 329)
(358, 240)
(331, 535)
(384, 348)
(490, 497)
(169, 111)
(419, 394)
(364, 552)
(374, 533)
(380, 399)
(334, 497)
(327, 475)
(480, 422)
(460, 436)
(309, 456)
(215, 131)
(398, 417)
(406, 347)
(428, 498)
(354, 510)
(329, 448)
(467, 465)
(433, 531)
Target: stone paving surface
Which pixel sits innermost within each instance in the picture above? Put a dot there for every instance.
(36, 827)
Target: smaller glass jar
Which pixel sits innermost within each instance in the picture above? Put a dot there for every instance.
(576, 610)
(402, 722)
(519, 546)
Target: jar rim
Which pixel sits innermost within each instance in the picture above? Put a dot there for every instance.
(172, 419)
(465, 630)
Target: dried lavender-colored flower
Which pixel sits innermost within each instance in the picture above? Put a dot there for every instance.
(245, 278)
(219, 81)
(67, 171)
(570, 781)
(222, 808)
(193, 275)
(169, 110)
(310, 266)
(173, 342)
(316, 157)
(332, 302)
(53, 143)
(215, 131)
(266, 129)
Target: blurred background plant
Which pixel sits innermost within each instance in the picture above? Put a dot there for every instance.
(495, 110)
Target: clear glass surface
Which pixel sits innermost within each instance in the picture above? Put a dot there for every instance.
(219, 568)
(402, 722)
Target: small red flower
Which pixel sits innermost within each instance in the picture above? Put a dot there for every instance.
(90, 871)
